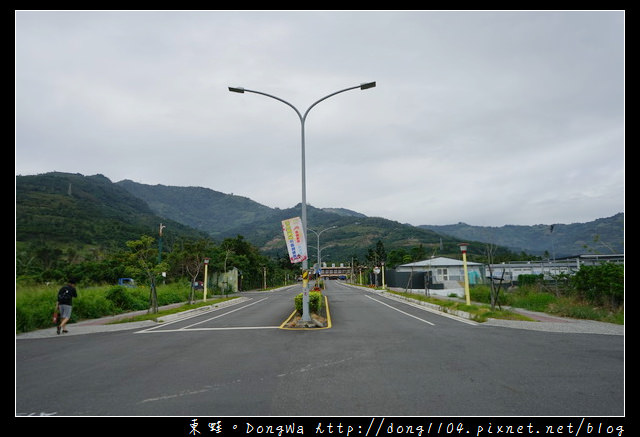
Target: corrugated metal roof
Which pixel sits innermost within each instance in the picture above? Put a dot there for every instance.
(439, 262)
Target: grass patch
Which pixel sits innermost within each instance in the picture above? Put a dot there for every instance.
(525, 299)
(478, 312)
(565, 307)
(35, 304)
(531, 299)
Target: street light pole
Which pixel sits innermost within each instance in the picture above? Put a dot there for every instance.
(463, 248)
(206, 269)
(318, 237)
(303, 117)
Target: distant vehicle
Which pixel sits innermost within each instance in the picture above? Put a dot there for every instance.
(198, 285)
(127, 282)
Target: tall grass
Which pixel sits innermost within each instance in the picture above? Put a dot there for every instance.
(35, 304)
(533, 299)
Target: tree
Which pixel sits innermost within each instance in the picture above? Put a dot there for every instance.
(490, 250)
(377, 255)
(419, 253)
(143, 260)
(601, 284)
(239, 253)
(397, 257)
(191, 256)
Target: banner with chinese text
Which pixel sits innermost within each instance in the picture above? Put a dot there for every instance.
(295, 239)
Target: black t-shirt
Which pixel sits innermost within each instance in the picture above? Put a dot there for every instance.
(66, 294)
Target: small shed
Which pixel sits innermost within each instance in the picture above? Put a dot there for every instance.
(441, 273)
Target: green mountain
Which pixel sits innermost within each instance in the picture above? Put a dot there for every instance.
(207, 210)
(91, 212)
(72, 210)
(601, 236)
(224, 215)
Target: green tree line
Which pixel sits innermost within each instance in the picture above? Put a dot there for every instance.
(39, 263)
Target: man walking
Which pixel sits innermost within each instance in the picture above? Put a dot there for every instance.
(65, 297)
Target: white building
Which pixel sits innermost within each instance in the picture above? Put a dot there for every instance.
(439, 275)
(445, 276)
(510, 271)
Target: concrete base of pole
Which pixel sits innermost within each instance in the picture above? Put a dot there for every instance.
(309, 324)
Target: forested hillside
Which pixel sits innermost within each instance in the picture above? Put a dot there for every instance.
(200, 208)
(92, 229)
(226, 216)
(63, 216)
(601, 236)
(72, 210)
(74, 224)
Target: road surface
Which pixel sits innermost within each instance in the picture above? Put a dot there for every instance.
(380, 357)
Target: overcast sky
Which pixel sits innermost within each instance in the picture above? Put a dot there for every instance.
(483, 117)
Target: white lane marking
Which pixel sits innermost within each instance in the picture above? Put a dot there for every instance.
(226, 314)
(160, 328)
(400, 311)
(230, 328)
(426, 308)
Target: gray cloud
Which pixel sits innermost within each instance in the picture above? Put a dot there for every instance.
(489, 118)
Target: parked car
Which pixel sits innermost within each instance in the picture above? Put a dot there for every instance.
(127, 282)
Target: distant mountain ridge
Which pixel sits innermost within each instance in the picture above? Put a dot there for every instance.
(89, 215)
(204, 209)
(601, 236)
(65, 209)
(224, 214)
(72, 209)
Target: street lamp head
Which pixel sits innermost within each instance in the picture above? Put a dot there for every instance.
(236, 89)
(364, 86)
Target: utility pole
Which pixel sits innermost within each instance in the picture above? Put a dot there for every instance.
(160, 243)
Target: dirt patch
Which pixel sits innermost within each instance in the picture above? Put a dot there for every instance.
(317, 321)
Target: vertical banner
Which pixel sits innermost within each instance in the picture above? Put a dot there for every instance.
(295, 239)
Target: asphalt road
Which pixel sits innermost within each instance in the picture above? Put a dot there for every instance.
(380, 357)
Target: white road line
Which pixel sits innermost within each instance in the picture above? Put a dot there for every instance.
(400, 311)
(160, 328)
(427, 308)
(226, 314)
(230, 328)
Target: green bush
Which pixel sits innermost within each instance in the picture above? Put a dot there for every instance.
(91, 304)
(316, 302)
(601, 285)
(480, 293)
(174, 292)
(120, 298)
(524, 280)
(34, 309)
(529, 299)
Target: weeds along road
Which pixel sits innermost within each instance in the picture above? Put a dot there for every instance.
(379, 357)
